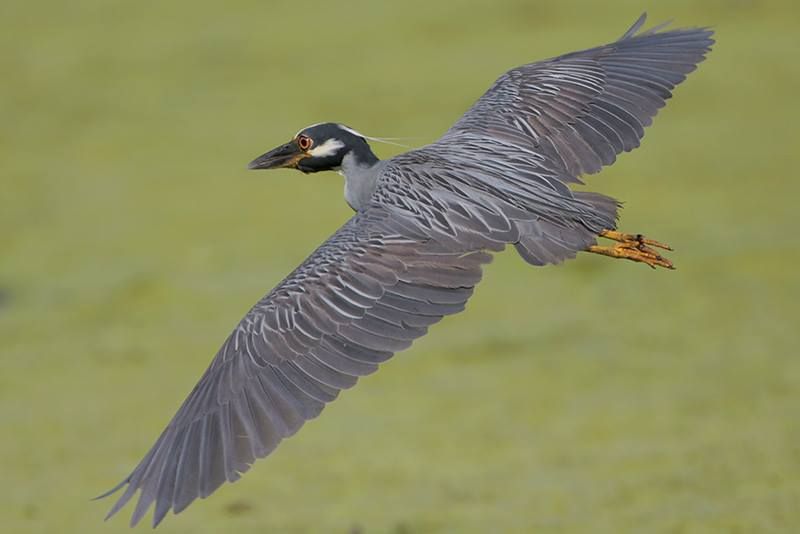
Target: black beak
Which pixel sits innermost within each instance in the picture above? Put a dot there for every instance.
(283, 156)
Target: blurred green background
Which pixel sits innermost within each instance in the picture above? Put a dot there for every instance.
(598, 396)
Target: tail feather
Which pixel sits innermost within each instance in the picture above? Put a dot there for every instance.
(543, 242)
(605, 210)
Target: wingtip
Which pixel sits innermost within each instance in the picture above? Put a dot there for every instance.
(112, 491)
(121, 502)
(635, 27)
(142, 507)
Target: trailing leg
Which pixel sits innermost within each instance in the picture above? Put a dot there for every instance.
(634, 247)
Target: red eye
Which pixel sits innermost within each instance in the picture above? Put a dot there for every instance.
(304, 142)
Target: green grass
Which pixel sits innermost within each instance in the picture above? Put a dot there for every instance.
(598, 396)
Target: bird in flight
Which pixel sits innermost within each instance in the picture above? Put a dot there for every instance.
(425, 222)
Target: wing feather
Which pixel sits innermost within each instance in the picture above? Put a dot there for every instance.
(606, 94)
(365, 294)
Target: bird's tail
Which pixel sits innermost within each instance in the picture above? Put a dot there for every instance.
(605, 209)
(542, 242)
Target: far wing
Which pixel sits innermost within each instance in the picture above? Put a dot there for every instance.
(581, 109)
(368, 292)
(503, 169)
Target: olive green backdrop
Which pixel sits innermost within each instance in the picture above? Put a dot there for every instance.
(597, 396)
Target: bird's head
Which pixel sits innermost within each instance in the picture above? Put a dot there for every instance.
(319, 147)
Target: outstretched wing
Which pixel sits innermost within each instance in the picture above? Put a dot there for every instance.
(579, 110)
(366, 293)
(512, 155)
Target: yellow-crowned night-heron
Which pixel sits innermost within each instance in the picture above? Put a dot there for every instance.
(425, 223)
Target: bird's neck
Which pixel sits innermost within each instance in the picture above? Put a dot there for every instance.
(360, 170)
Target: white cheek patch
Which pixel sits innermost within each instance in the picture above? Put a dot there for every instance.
(328, 148)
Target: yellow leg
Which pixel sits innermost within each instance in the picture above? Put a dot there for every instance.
(634, 247)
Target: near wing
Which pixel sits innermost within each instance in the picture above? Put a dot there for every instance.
(369, 291)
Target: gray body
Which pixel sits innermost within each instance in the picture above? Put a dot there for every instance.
(425, 223)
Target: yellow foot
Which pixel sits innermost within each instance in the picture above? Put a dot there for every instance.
(634, 247)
